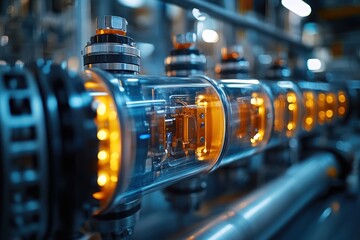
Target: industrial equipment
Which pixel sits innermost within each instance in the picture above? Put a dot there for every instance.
(91, 154)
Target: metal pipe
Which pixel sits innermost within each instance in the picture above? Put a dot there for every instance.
(240, 21)
(261, 214)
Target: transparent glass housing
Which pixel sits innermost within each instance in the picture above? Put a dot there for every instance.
(287, 110)
(153, 131)
(250, 118)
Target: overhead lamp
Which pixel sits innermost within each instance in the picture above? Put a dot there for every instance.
(298, 7)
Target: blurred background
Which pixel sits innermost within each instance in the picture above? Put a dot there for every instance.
(327, 31)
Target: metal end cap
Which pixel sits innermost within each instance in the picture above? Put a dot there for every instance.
(111, 22)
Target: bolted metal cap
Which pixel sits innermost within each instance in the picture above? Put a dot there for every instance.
(185, 40)
(111, 22)
(232, 52)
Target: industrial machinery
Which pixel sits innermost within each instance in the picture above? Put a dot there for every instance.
(92, 154)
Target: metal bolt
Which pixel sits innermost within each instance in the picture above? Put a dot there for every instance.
(111, 22)
(202, 139)
(202, 115)
(189, 37)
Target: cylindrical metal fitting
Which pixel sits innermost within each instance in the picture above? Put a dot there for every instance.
(111, 22)
(189, 37)
(233, 64)
(110, 49)
(185, 59)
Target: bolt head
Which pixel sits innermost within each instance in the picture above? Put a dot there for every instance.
(189, 37)
(111, 22)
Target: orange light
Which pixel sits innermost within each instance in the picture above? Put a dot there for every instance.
(279, 113)
(329, 99)
(286, 114)
(343, 104)
(110, 31)
(257, 118)
(102, 155)
(321, 105)
(329, 113)
(331, 106)
(342, 98)
(102, 134)
(183, 45)
(101, 109)
(103, 178)
(109, 136)
(209, 113)
(308, 122)
(341, 110)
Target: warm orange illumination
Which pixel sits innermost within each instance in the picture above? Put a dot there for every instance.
(332, 172)
(109, 141)
(341, 111)
(252, 114)
(227, 54)
(321, 105)
(286, 114)
(183, 45)
(342, 104)
(210, 119)
(309, 118)
(329, 113)
(342, 97)
(331, 106)
(293, 114)
(103, 178)
(279, 113)
(102, 155)
(102, 134)
(308, 121)
(110, 31)
(101, 109)
(329, 99)
(258, 118)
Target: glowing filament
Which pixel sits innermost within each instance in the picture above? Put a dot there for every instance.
(102, 155)
(101, 109)
(329, 113)
(103, 178)
(102, 134)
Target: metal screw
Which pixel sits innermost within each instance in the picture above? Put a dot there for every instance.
(202, 139)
